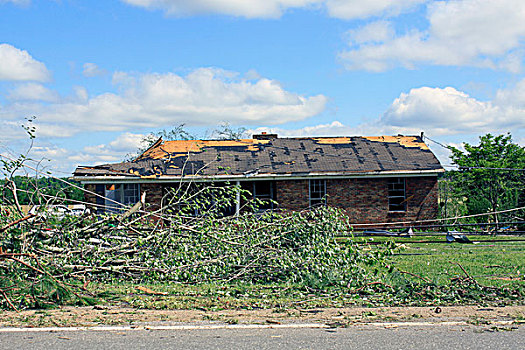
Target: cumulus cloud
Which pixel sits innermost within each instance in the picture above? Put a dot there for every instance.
(124, 144)
(440, 112)
(91, 70)
(345, 9)
(18, 65)
(448, 111)
(205, 96)
(59, 160)
(378, 31)
(443, 113)
(350, 9)
(33, 91)
(458, 34)
(240, 8)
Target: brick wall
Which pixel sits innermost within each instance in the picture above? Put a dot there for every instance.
(292, 195)
(365, 200)
(154, 195)
(89, 197)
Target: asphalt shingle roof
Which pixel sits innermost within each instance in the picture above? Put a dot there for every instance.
(277, 156)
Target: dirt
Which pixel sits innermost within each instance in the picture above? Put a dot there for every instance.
(101, 315)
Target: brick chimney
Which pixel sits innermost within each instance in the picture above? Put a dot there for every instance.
(264, 136)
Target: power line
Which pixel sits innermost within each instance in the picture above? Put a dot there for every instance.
(436, 142)
(442, 219)
(488, 168)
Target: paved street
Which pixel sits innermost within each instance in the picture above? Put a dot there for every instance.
(355, 337)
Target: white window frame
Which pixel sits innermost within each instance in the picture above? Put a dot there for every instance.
(394, 194)
(314, 195)
(118, 195)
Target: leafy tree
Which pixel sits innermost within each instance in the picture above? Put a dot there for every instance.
(32, 190)
(490, 176)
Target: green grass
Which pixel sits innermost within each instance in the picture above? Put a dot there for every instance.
(497, 264)
(492, 264)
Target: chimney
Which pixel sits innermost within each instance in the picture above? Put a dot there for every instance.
(264, 136)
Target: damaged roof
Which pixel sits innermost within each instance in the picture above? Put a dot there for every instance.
(269, 156)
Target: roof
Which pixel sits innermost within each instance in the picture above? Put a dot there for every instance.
(304, 156)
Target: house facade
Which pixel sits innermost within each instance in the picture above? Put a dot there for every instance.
(373, 179)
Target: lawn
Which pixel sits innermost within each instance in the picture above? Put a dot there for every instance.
(489, 263)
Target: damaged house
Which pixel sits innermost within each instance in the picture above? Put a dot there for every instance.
(373, 179)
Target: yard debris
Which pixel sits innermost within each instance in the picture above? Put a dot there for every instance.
(27, 217)
(149, 291)
(454, 236)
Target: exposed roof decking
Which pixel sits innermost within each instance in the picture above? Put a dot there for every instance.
(280, 156)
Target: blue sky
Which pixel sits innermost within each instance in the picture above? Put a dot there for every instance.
(99, 75)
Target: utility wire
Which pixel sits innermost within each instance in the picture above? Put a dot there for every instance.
(442, 219)
(436, 142)
(488, 168)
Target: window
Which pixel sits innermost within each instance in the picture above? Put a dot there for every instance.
(127, 194)
(264, 191)
(396, 194)
(317, 192)
(130, 194)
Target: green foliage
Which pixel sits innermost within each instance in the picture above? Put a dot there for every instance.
(41, 190)
(485, 181)
(262, 248)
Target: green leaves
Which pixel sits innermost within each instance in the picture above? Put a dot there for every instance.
(491, 175)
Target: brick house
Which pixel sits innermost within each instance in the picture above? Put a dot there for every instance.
(374, 179)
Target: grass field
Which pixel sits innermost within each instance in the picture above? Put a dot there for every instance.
(490, 263)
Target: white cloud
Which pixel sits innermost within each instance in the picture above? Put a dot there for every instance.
(449, 111)
(33, 91)
(11, 131)
(59, 160)
(18, 65)
(442, 113)
(439, 112)
(335, 128)
(241, 8)
(120, 147)
(350, 9)
(16, 2)
(205, 96)
(91, 70)
(480, 33)
(378, 31)
(345, 9)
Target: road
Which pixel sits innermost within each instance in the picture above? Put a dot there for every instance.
(355, 337)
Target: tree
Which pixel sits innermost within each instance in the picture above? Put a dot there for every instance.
(226, 132)
(223, 132)
(490, 176)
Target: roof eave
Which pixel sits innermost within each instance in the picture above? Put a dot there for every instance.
(255, 177)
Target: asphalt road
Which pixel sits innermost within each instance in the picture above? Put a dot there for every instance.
(356, 337)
